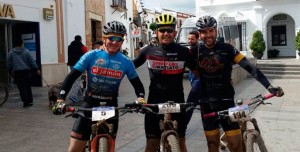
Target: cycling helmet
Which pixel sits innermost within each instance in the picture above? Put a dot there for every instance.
(165, 20)
(205, 22)
(114, 27)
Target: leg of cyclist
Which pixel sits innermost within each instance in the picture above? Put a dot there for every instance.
(213, 140)
(182, 125)
(152, 132)
(234, 140)
(182, 144)
(152, 144)
(77, 145)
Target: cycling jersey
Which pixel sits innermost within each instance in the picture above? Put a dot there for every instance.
(215, 66)
(166, 68)
(105, 71)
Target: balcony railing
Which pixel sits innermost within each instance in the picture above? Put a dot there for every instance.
(120, 5)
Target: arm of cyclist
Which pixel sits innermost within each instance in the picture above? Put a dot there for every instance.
(260, 77)
(141, 58)
(58, 109)
(67, 84)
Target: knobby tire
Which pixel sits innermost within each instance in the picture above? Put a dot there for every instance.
(253, 137)
(103, 145)
(172, 144)
(3, 95)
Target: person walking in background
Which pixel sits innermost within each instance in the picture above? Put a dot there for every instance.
(97, 44)
(19, 64)
(194, 95)
(75, 50)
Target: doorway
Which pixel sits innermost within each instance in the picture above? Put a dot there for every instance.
(29, 31)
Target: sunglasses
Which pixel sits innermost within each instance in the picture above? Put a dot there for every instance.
(168, 30)
(115, 38)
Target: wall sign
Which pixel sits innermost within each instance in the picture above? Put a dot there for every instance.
(48, 13)
(7, 10)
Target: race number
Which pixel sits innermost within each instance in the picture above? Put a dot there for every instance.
(239, 113)
(102, 113)
(168, 108)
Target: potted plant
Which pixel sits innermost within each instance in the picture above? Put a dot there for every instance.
(273, 53)
(258, 44)
(297, 42)
(152, 26)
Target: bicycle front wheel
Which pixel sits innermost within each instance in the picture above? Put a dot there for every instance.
(103, 145)
(172, 144)
(3, 94)
(254, 142)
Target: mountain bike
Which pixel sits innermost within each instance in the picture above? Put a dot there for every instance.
(252, 139)
(3, 93)
(101, 139)
(169, 141)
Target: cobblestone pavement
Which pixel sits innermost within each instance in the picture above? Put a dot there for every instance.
(37, 130)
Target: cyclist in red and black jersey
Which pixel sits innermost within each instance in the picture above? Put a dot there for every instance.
(215, 60)
(166, 63)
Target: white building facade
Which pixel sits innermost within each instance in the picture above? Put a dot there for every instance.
(35, 22)
(278, 20)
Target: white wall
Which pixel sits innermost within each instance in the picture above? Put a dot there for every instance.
(257, 14)
(32, 10)
(112, 15)
(74, 22)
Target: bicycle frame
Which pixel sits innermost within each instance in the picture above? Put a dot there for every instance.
(101, 129)
(247, 124)
(4, 94)
(167, 126)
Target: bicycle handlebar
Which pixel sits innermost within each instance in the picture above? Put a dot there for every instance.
(225, 112)
(142, 108)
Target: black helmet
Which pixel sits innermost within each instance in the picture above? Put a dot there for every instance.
(165, 20)
(205, 22)
(114, 27)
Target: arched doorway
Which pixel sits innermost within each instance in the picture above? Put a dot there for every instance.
(281, 35)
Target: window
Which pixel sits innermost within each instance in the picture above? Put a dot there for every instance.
(226, 33)
(242, 35)
(279, 35)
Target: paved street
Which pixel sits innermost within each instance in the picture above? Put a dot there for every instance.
(37, 130)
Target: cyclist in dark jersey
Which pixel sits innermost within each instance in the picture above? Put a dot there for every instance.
(105, 70)
(215, 60)
(166, 63)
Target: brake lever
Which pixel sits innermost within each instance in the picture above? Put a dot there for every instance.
(69, 115)
(265, 103)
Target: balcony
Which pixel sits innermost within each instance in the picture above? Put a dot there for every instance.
(119, 5)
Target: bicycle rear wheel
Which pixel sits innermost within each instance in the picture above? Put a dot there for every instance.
(172, 144)
(103, 145)
(3, 94)
(254, 142)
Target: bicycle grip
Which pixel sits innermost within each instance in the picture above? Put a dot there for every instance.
(205, 116)
(70, 109)
(268, 96)
(133, 105)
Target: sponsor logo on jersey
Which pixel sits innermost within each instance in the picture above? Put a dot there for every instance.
(116, 66)
(167, 67)
(111, 73)
(100, 61)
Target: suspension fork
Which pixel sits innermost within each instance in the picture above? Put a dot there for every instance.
(167, 127)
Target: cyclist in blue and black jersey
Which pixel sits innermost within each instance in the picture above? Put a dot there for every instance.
(166, 63)
(215, 60)
(105, 70)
